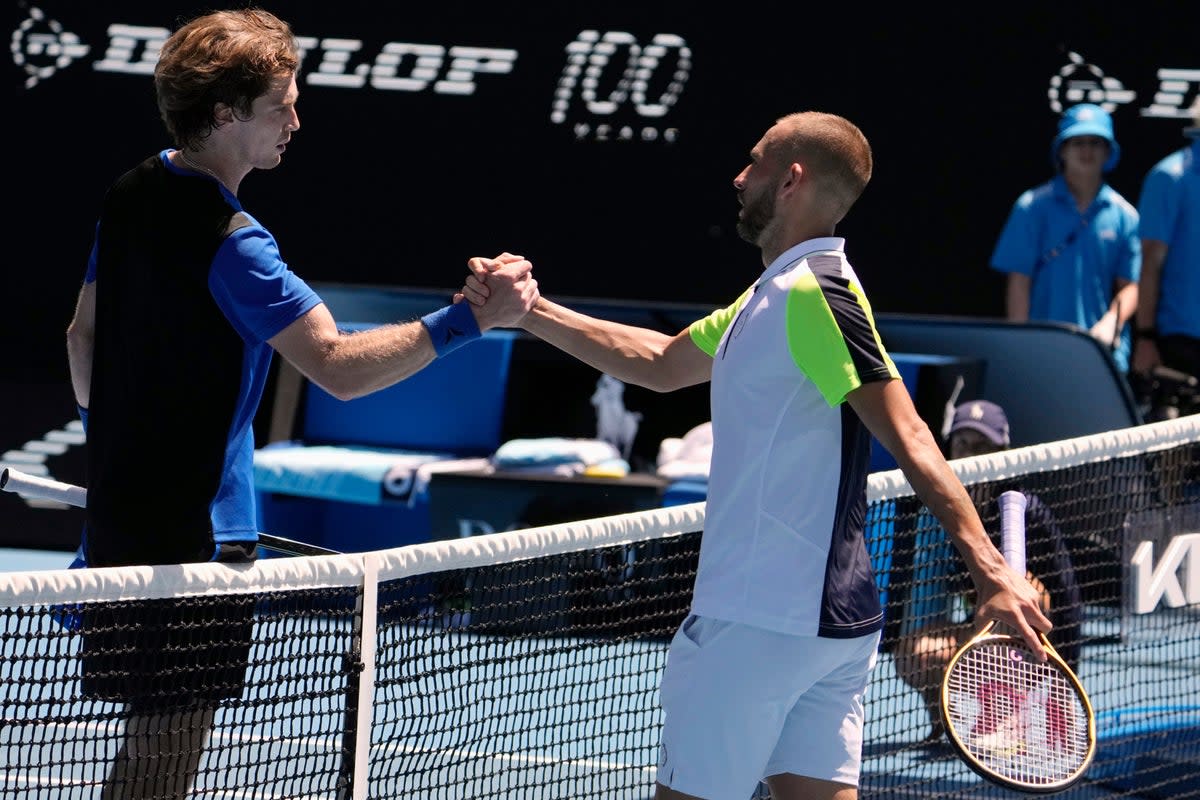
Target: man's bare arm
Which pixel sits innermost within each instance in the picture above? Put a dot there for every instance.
(1145, 350)
(887, 410)
(350, 365)
(632, 354)
(641, 356)
(81, 337)
(1016, 297)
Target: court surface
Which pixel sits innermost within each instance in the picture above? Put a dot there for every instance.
(17, 560)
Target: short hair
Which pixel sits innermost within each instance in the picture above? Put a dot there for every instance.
(834, 149)
(229, 57)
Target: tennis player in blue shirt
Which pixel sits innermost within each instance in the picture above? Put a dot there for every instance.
(1070, 246)
(185, 301)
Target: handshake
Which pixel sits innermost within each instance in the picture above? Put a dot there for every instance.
(501, 290)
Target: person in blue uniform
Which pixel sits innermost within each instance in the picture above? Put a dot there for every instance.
(185, 299)
(1070, 246)
(1168, 318)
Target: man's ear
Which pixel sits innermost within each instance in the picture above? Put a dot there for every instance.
(791, 179)
(222, 113)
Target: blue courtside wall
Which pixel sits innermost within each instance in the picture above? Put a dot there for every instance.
(455, 405)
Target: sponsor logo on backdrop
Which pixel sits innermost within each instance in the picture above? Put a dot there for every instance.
(41, 47)
(1172, 580)
(612, 72)
(1081, 82)
(613, 87)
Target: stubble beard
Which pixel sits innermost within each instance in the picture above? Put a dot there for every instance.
(756, 216)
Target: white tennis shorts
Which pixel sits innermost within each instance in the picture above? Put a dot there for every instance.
(742, 703)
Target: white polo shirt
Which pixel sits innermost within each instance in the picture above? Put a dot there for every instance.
(783, 543)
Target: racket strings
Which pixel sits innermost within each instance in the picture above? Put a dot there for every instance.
(1020, 719)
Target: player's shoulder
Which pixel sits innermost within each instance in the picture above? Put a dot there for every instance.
(1126, 208)
(1036, 196)
(238, 221)
(137, 176)
(1173, 166)
(243, 226)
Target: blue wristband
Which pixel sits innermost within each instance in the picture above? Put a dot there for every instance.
(451, 327)
(82, 416)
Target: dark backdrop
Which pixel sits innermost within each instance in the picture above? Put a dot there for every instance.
(386, 185)
(614, 179)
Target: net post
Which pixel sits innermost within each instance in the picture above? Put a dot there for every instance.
(366, 678)
(360, 689)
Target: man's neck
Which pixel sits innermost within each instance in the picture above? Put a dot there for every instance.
(1083, 187)
(774, 246)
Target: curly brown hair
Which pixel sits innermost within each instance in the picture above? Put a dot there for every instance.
(226, 57)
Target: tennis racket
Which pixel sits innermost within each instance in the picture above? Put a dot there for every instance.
(1017, 722)
(12, 480)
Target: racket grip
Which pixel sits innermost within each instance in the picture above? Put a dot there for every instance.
(42, 488)
(1012, 529)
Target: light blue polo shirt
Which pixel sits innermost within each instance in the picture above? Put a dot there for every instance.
(1170, 212)
(1072, 266)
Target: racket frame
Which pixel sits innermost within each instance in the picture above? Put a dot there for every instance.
(988, 635)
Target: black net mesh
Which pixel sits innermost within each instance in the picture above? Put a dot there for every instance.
(132, 688)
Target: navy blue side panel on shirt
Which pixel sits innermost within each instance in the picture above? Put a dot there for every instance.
(850, 600)
(167, 371)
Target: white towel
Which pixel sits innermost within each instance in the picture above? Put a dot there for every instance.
(688, 457)
(553, 450)
(348, 474)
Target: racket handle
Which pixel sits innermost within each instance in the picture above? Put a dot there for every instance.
(12, 480)
(43, 488)
(1012, 529)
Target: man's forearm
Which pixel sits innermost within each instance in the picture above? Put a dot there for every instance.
(1016, 297)
(1125, 303)
(351, 365)
(81, 335)
(625, 352)
(1153, 255)
(81, 373)
(943, 494)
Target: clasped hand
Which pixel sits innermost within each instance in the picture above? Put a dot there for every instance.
(501, 290)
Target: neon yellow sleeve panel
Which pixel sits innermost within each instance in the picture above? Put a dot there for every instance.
(707, 332)
(821, 347)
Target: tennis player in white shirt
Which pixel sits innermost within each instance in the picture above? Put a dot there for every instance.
(765, 677)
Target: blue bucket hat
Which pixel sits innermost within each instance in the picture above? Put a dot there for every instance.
(1086, 119)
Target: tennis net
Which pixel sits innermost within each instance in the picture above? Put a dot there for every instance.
(526, 664)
